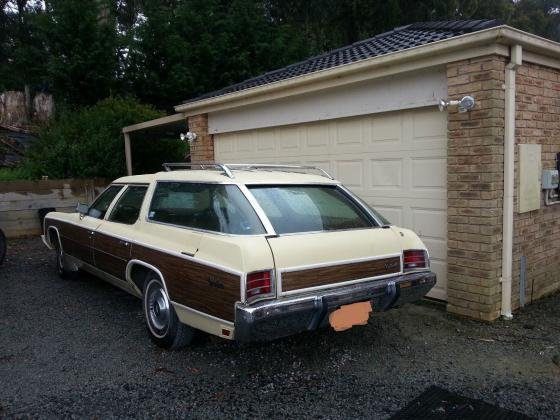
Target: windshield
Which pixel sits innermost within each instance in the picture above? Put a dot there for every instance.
(309, 208)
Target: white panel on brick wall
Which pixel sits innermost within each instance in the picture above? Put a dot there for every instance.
(405, 91)
(396, 162)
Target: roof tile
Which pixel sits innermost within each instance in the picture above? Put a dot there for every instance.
(398, 39)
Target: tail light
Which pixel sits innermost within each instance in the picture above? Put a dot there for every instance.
(415, 259)
(258, 283)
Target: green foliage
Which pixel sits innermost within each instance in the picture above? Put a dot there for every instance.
(185, 48)
(14, 174)
(89, 143)
(81, 40)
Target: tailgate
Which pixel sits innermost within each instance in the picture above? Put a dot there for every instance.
(314, 261)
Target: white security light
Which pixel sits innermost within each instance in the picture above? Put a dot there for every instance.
(464, 105)
(189, 136)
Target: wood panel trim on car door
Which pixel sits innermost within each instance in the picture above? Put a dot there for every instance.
(76, 241)
(111, 254)
(194, 284)
(331, 274)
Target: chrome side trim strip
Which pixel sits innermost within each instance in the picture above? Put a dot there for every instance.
(213, 318)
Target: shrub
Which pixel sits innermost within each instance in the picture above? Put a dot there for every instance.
(88, 143)
(14, 174)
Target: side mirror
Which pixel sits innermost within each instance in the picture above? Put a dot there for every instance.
(82, 209)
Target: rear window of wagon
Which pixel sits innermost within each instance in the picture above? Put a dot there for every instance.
(309, 208)
(210, 207)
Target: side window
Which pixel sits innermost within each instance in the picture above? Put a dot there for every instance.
(100, 206)
(128, 207)
(213, 207)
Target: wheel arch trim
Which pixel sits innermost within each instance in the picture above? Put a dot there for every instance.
(128, 274)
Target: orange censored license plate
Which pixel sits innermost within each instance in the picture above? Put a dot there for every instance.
(349, 315)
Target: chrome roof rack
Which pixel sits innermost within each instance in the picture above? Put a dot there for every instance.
(273, 167)
(227, 168)
(203, 165)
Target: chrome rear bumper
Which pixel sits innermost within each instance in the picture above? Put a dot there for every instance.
(286, 316)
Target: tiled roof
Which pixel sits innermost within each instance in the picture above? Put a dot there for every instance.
(398, 39)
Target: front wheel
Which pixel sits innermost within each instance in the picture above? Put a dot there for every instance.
(59, 262)
(164, 327)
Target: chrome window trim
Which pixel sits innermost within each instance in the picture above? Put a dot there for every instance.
(117, 199)
(210, 232)
(258, 209)
(122, 185)
(148, 220)
(356, 201)
(362, 205)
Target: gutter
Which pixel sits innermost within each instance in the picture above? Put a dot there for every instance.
(509, 166)
(503, 35)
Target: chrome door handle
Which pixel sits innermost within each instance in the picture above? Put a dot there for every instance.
(124, 243)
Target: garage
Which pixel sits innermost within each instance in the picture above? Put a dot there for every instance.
(386, 117)
(394, 161)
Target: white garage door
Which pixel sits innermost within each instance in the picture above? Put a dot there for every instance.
(396, 162)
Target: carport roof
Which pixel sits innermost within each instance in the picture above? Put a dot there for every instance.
(398, 39)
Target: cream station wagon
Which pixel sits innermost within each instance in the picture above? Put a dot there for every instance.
(245, 252)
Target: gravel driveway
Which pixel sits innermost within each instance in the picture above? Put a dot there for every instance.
(79, 348)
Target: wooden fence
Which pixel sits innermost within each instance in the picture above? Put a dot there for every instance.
(20, 201)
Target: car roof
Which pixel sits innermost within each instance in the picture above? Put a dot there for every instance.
(240, 176)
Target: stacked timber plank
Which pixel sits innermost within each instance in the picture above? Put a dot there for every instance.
(21, 200)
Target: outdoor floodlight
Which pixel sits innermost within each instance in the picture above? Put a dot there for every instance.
(190, 136)
(464, 105)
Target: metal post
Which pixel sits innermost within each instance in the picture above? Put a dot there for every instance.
(127, 153)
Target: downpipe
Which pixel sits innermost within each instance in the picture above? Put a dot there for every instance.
(509, 167)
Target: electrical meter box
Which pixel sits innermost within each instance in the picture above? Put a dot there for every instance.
(550, 179)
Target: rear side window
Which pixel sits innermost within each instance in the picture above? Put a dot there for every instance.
(128, 207)
(100, 206)
(213, 207)
(309, 208)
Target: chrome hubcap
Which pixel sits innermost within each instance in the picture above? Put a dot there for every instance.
(158, 307)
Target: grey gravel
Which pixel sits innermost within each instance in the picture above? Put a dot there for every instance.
(80, 349)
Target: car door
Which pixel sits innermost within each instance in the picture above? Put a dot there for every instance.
(80, 243)
(112, 242)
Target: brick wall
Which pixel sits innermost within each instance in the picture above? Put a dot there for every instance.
(475, 188)
(202, 149)
(535, 232)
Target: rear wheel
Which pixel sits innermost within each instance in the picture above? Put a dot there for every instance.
(164, 326)
(2, 246)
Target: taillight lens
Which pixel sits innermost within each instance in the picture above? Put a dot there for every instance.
(415, 259)
(259, 283)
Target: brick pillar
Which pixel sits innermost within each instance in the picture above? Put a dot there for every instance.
(202, 149)
(475, 188)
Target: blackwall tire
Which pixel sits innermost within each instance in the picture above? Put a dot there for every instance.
(162, 322)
